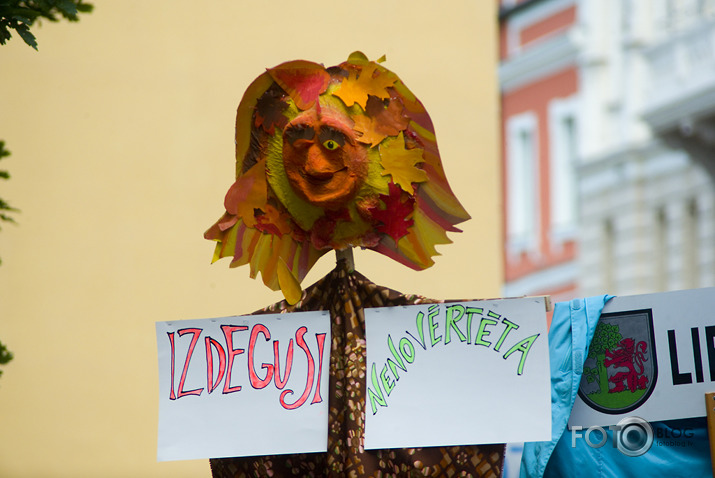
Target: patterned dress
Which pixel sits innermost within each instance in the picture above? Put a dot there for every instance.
(345, 293)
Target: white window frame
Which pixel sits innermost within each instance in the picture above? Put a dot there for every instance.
(523, 203)
(564, 153)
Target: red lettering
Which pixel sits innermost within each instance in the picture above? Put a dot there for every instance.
(228, 331)
(311, 373)
(280, 384)
(321, 341)
(210, 385)
(196, 334)
(255, 381)
(172, 395)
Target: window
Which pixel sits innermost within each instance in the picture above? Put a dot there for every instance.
(609, 256)
(522, 180)
(564, 153)
(661, 250)
(691, 245)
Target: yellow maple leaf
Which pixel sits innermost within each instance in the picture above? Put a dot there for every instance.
(400, 163)
(355, 89)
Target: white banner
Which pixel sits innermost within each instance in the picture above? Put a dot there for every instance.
(243, 386)
(457, 373)
(652, 356)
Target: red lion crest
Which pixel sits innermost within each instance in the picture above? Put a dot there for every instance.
(628, 355)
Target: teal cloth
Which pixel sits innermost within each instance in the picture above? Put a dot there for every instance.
(680, 447)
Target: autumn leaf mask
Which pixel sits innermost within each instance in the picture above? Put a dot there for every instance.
(330, 159)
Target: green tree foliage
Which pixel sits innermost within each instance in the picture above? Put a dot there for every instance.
(20, 15)
(5, 355)
(606, 337)
(5, 208)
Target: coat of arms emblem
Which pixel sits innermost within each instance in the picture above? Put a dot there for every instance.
(620, 371)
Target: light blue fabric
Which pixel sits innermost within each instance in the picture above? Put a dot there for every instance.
(680, 450)
(680, 447)
(572, 327)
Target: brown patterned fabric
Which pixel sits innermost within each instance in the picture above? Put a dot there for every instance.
(345, 294)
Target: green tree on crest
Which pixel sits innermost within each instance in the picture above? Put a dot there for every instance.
(606, 337)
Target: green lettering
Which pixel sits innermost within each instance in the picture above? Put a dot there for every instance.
(393, 366)
(482, 332)
(409, 352)
(470, 311)
(523, 346)
(431, 314)
(420, 329)
(386, 382)
(375, 398)
(509, 326)
(452, 323)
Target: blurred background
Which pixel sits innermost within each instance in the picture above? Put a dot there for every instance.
(608, 135)
(121, 133)
(578, 133)
(608, 147)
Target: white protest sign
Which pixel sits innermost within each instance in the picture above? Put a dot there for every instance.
(652, 356)
(243, 386)
(457, 373)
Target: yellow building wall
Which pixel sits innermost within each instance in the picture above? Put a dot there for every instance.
(121, 133)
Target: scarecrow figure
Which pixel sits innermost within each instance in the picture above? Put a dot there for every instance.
(336, 158)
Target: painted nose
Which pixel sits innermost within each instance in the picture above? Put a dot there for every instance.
(318, 166)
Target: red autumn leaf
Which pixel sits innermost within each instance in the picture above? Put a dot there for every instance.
(272, 221)
(394, 218)
(322, 232)
(269, 113)
(303, 80)
(339, 215)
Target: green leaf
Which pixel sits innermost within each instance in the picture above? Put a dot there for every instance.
(20, 15)
(68, 9)
(85, 7)
(5, 354)
(4, 34)
(25, 34)
(6, 207)
(3, 152)
(22, 19)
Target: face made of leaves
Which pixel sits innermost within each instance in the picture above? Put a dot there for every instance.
(331, 158)
(325, 164)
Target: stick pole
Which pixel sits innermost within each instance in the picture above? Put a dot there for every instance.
(346, 255)
(710, 408)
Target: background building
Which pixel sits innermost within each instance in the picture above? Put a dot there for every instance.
(608, 147)
(121, 130)
(540, 91)
(608, 138)
(647, 199)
